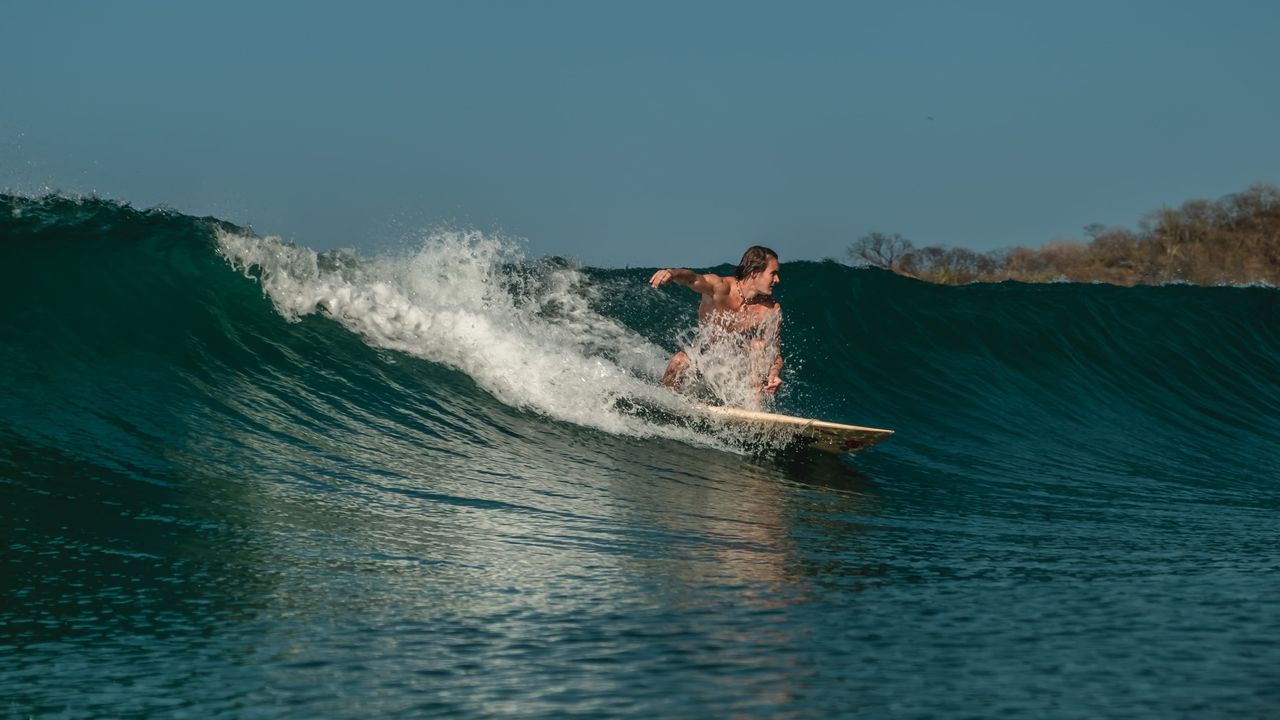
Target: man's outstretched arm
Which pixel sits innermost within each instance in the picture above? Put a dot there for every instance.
(701, 284)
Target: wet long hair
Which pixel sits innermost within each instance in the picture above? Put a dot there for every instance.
(754, 260)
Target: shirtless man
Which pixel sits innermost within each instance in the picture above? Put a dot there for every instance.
(742, 304)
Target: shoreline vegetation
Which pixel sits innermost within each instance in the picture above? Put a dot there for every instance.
(1234, 240)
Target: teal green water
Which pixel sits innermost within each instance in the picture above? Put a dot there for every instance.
(240, 479)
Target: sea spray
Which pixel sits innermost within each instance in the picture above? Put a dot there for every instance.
(727, 368)
(523, 331)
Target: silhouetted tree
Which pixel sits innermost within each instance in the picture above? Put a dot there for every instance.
(879, 249)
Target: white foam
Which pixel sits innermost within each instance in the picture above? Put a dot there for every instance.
(525, 332)
(716, 364)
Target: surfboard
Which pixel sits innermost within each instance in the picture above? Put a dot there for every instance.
(834, 438)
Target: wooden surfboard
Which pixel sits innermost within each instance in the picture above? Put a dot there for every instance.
(834, 438)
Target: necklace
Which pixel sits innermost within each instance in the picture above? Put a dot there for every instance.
(738, 284)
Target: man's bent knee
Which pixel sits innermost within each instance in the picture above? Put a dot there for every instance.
(675, 369)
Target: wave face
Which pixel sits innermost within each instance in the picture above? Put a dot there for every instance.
(239, 473)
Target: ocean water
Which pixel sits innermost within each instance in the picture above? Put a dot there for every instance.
(242, 479)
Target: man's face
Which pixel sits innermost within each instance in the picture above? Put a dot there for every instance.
(762, 282)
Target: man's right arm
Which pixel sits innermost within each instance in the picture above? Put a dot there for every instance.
(701, 284)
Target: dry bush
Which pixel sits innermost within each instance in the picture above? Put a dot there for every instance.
(1235, 239)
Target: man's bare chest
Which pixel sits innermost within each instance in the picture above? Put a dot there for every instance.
(742, 318)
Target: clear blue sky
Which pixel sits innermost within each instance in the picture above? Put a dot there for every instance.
(645, 133)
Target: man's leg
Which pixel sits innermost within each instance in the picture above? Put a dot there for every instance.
(675, 370)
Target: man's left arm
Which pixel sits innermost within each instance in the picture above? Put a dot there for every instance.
(774, 380)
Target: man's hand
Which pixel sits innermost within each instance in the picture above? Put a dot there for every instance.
(772, 385)
(660, 277)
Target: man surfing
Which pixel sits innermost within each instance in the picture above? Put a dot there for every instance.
(738, 309)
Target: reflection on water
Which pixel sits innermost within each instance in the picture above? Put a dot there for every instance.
(464, 558)
(558, 571)
(398, 572)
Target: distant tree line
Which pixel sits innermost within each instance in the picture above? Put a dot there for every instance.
(1235, 239)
